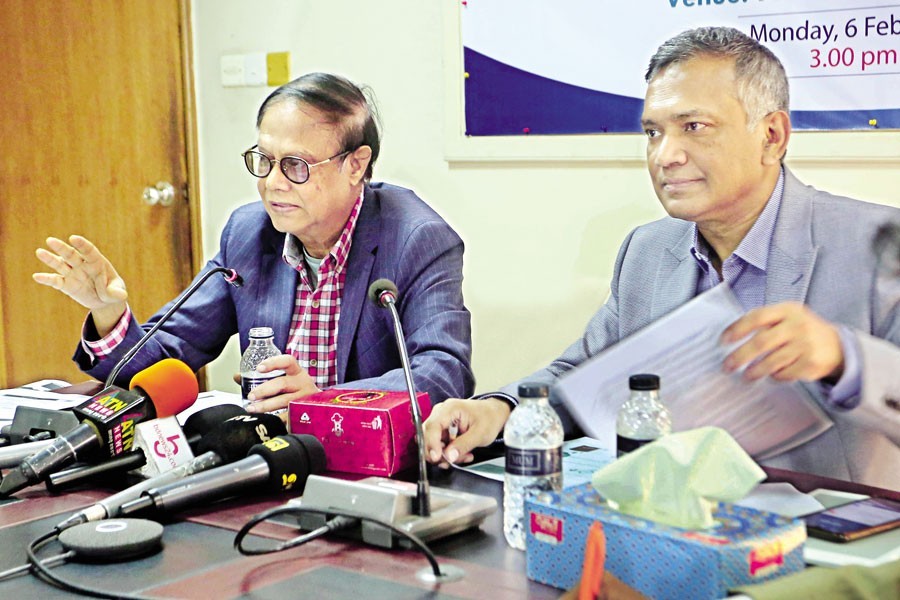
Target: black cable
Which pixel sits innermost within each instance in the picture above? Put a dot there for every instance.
(350, 519)
(337, 523)
(42, 572)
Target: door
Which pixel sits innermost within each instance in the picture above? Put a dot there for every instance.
(96, 107)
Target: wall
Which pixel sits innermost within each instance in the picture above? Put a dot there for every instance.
(541, 235)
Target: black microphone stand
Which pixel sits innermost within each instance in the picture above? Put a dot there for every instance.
(231, 277)
(423, 494)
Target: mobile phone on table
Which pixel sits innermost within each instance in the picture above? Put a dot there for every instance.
(854, 520)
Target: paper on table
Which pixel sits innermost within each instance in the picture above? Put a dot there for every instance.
(765, 417)
(581, 458)
(34, 395)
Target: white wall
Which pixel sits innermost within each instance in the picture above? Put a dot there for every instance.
(541, 236)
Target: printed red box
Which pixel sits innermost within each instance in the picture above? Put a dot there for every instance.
(363, 431)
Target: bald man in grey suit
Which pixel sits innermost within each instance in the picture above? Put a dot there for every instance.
(798, 259)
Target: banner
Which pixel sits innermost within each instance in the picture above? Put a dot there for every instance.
(577, 66)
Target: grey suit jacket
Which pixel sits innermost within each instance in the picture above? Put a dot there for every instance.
(820, 255)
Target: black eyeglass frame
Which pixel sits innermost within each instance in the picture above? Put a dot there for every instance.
(246, 154)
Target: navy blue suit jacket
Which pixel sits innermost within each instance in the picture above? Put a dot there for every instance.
(397, 236)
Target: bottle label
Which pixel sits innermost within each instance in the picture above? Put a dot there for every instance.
(254, 380)
(533, 463)
(624, 445)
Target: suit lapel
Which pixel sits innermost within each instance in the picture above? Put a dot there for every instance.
(676, 277)
(278, 288)
(792, 256)
(356, 284)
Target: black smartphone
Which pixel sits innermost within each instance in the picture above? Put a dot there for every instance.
(854, 520)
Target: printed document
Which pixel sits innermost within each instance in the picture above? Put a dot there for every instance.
(766, 417)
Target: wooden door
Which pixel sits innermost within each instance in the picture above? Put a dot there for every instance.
(95, 106)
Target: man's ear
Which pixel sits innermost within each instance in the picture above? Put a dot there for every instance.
(358, 161)
(777, 129)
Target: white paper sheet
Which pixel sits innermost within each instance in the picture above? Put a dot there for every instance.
(765, 417)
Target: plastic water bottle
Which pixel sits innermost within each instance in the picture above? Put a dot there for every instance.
(642, 418)
(534, 438)
(262, 346)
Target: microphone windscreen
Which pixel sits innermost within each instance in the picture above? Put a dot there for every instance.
(170, 384)
(113, 540)
(291, 459)
(204, 421)
(381, 285)
(233, 439)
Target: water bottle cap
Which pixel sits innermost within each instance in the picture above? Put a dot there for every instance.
(644, 382)
(534, 390)
(261, 332)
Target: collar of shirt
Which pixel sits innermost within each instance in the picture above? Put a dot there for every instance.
(293, 248)
(754, 248)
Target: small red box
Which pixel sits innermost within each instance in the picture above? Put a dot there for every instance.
(364, 431)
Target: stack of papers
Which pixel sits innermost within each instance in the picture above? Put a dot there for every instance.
(766, 418)
(39, 394)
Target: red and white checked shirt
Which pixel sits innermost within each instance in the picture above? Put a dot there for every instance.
(314, 325)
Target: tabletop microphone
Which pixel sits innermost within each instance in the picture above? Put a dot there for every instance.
(384, 293)
(227, 443)
(425, 512)
(108, 421)
(230, 275)
(282, 463)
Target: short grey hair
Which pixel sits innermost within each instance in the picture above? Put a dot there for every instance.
(762, 85)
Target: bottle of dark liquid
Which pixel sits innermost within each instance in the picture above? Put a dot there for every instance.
(643, 417)
(261, 347)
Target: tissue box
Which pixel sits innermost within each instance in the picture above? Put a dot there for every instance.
(746, 546)
(363, 431)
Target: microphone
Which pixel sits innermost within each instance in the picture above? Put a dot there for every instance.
(29, 424)
(384, 293)
(282, 463)
(11, 456)
(227, 443)
(230, 275)
(204, 421)
(387, 500)
(160, 445)
(110, 471)
(108, 421)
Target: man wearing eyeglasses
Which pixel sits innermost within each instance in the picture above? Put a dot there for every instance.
(716, 117)
(307, 253)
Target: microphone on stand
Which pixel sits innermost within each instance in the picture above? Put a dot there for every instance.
(428, 514)
(231, 276)
(384, 293)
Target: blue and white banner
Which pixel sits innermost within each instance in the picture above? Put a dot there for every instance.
(577, 66)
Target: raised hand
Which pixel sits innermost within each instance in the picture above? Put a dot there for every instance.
(86, 276)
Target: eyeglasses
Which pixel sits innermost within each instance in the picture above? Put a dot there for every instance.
(294, 168)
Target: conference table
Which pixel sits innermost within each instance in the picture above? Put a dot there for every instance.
(198, 559)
